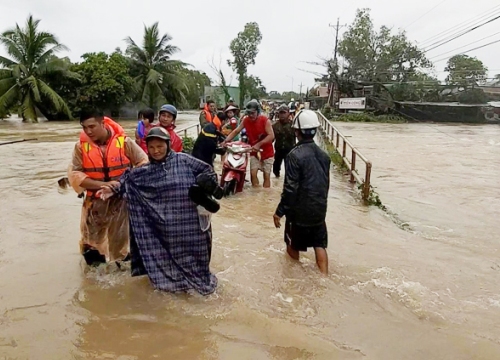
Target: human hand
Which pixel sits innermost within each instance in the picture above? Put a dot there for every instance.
(256, 147)
(112, 184)
(277, 221)
(105, 193)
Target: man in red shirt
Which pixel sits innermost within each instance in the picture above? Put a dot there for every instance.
(260, 136)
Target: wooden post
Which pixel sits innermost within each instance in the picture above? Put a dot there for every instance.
(353, 164)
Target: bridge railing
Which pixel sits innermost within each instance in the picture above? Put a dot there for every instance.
(190, 127)
(341, 145)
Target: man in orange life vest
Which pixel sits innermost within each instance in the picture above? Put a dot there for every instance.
(260, 136)
(100, 157)
(209, 115)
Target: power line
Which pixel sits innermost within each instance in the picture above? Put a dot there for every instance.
(468, 51)
(463, 33)
(464, 24)
(474, 42)
(413, 22)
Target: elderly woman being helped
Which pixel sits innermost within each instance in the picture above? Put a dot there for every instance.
(170, 238)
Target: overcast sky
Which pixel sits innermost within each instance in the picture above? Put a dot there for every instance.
(294, 32)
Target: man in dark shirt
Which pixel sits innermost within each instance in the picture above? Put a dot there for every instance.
(305, 193)
(284, 136)
(206, 145)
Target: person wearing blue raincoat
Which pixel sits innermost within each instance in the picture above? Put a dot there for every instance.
(170, 230)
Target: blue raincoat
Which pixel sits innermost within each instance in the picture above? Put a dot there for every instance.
(167, 241)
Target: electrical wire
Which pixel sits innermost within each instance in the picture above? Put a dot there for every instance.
(464, 24)
(413, 22)
(468, 51)
(474, 42)
(463, 33)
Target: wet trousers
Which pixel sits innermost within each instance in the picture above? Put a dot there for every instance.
(279, 157)
(104, 227)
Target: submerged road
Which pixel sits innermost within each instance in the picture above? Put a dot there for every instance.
(429, 290)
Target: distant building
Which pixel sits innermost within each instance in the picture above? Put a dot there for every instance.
(217, 94)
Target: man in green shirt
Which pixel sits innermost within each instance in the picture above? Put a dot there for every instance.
(284, 138)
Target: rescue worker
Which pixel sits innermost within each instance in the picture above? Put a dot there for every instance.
(147, 118)
(171, 237)
(305, 193)
(167, 116)
(100, 157)
(206, 146)
(260, 136)
(209, 115)
(284, 136)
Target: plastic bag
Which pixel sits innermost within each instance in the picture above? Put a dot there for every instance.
(205, 218)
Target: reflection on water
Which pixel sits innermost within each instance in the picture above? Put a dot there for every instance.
(430, 293)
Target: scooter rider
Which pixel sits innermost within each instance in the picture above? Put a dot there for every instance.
(260, 134)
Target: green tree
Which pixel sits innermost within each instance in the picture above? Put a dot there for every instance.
(254, 88)
(245, 48)
(221, 80)
(106, 83)
(465, 71)
(195, 82)
(67, 87)
(158, 78)
(289, 95)
(23, 76)
(379, 56)
(422, 87)
(472, 96)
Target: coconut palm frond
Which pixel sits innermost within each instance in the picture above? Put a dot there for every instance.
(9, 98)
(28, 109)
(6, 84)
(6, 62)
(6, 73)
(33, 85)
(47, 54)
(50, 94)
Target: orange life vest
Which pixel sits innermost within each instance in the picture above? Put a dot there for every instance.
(106, 166)
(213, 119)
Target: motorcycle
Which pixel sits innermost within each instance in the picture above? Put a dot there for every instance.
(234, 169)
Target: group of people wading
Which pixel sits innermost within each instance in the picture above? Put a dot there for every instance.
(148, 202)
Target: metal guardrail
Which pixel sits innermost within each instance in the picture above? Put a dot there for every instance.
(185, 130)
(333, 135)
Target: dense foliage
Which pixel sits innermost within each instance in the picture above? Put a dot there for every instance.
(34, 81)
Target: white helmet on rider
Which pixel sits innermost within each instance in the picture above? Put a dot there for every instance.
(306, 121)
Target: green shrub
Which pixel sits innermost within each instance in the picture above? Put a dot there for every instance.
(188, 144)
(368, 117)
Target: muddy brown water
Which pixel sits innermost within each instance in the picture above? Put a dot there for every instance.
(427, 290)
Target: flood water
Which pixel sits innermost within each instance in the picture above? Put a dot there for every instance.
(420, 281)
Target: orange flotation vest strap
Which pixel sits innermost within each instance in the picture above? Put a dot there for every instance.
(106, 166)
(212, 118)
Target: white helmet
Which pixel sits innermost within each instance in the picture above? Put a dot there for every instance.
(305, 120)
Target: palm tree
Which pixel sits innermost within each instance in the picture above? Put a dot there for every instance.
(157, 76)
(32, 59)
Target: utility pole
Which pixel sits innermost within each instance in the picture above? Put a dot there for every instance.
(300, 93)
(333, 95)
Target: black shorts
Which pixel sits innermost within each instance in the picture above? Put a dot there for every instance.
(302, 237)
